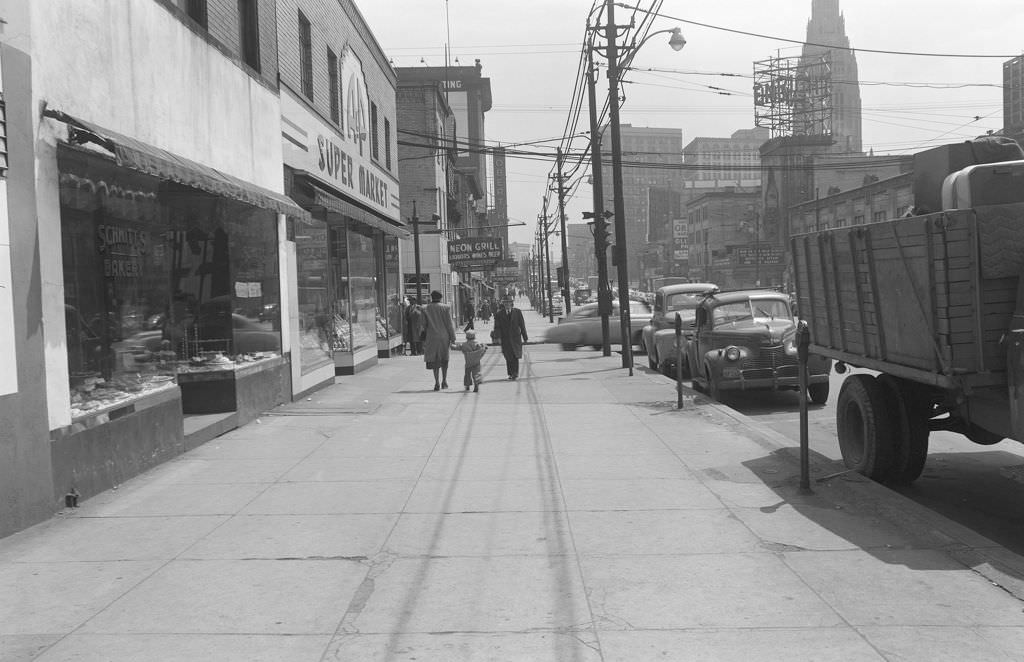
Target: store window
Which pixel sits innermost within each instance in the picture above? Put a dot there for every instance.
(159, 280)
(314, 295)
(362, 285)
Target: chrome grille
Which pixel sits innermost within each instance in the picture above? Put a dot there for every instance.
(768, 358)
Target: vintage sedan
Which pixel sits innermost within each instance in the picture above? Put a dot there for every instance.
(583, 326)
(659, 335)
(745, 340)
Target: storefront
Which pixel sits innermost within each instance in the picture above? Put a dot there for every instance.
(172, 297)
(349, 297)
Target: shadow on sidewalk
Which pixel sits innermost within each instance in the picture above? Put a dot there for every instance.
(869, 516)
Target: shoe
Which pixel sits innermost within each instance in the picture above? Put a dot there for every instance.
(510, 377)
(467, 388)
(444, 384)
(437, 387)
(476, 389)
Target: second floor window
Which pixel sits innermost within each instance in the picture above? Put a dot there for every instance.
(387, 143)
(374, 142)
(196, 9)
(332, 75)
(249, 32)
(306, 55)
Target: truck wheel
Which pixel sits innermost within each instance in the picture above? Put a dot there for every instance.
(910, 411)
(864, 427)
(818, 393)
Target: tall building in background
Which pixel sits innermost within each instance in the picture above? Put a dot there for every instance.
(734, 161)
(1013, 97)
(650, 157)
(826, 28)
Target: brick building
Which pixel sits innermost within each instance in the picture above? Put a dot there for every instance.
(339, 142)
(650, 157)
(153, 319)
(724, 247)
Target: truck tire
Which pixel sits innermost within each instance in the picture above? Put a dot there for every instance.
(910, 410)
(864, 426)
(818, 393)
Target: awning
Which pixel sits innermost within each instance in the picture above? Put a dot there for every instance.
(331, 202)
(131, 153)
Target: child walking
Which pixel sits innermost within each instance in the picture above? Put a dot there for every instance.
(474, 353)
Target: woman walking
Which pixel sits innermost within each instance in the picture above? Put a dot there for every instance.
(440, 336)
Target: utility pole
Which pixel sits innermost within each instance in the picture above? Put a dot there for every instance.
(611, 35)
(565, 242)
(604, 304)
(547, 260)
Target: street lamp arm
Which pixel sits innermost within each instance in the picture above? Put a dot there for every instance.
(676, 42)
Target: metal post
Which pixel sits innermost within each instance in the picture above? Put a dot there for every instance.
(566, 308)
(757, 248)
(679, 361)
(803, 343)
(600, 227)
(416, 251)
(620, 205)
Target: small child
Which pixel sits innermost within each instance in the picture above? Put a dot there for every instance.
(474, 353)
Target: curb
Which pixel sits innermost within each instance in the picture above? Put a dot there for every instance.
(974, 551)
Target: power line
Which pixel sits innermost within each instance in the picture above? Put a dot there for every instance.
(830, 46)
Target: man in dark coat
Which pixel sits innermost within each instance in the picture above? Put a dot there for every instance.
(511, 329)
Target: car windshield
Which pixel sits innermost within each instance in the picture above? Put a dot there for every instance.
(758, 310)
(681, 301)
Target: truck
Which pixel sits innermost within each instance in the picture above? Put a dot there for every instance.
(933, 304)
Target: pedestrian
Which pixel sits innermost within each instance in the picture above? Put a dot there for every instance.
(468, 312)
(439, 336)
(474, 354)
(511, 330)
(414, 315)
(485, 311)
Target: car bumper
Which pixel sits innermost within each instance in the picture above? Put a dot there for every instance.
(786, 378)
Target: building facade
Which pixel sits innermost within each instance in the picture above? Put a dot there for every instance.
(650, 157)
(732, 161)
(1013, 98)
(872, 202)
(152, 321)
(339, 144)
(724, 245)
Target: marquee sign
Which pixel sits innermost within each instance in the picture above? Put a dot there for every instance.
(482, 252)
(340, 155)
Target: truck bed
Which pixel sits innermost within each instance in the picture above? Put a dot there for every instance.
(929, 298)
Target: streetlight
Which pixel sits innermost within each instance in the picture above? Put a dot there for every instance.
(676, 42)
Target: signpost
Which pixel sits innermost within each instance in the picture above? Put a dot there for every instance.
(476, 252)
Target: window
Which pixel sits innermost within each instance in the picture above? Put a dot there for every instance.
(387, 143)
(374, 142)
(196, 9)
(858, 219)
(332, 75)
(878, 216)
(249, 33)
(306, 55)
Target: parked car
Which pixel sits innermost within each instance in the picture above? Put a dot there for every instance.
(659, 335)
(583, 326)
(745, 340)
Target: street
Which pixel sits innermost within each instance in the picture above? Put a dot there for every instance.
(980, 487)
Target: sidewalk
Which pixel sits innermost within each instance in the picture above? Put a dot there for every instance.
(574, 514)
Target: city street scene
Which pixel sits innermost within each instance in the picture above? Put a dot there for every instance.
(525, 330)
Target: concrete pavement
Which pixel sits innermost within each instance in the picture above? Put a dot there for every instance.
(574, 514)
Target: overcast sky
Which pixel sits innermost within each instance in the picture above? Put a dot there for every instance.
(530, 51)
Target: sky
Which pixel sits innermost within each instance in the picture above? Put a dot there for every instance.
(530, 49)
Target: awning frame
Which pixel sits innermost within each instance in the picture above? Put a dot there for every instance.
(142, 157)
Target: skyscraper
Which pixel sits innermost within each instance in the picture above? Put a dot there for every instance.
(827, 27)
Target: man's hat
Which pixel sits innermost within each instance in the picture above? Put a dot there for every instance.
(470, 335)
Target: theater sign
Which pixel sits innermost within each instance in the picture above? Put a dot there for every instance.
(339, 155)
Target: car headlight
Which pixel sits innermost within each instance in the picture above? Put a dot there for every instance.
(789, 345)
(732, 353)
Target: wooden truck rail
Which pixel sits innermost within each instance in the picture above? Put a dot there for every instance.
(929, 301)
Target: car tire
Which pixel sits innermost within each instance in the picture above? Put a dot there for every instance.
(597, 347)
(818, 393)
(864, 426)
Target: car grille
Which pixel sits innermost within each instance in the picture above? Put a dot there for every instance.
(769, 359)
